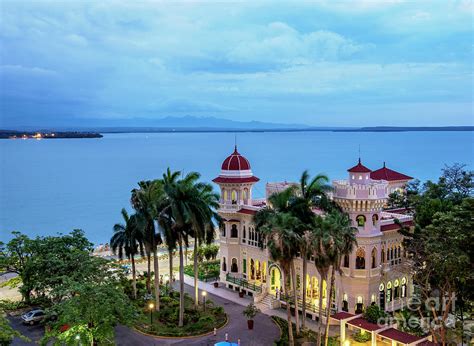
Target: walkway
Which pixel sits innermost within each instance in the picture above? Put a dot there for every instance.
(265, 332)
(233, 296)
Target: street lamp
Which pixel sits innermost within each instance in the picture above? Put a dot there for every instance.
(204, 293)
(151, 306)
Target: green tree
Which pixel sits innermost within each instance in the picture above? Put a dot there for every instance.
(7, 333)
(147, 201)
(91, 314)
(278, 229)
(440, 261)
(340, 242)
(128, 240)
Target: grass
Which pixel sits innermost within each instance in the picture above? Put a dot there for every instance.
(206, 270)
(196, 322)
(306, 335)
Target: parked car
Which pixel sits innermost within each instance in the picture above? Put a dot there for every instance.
(33, 316)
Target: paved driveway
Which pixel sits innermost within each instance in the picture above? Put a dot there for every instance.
(34, 333)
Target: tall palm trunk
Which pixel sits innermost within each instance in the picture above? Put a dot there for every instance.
(134, 278)
(157, 278)
(295, 294)
(328, 307)
(196, 272)
(148, 278)
(303, 308)
(291, 340)
(181, 283)
(170, 256)
(320, 307)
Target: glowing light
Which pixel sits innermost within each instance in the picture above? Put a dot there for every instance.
(151, 306)
(204, 293)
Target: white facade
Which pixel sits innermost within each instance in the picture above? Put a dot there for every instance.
(371, 274)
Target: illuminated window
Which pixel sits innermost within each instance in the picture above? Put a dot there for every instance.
(360, 220)
(374, 258)
(360, 259)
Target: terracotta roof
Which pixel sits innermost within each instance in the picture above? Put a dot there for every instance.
(359, 168)
(247, 211)
(388, 174)
(399, 336)
(364, 324)
(394, 226)
(427, 343)
(342, 315)
(235, 162)
(237, 180)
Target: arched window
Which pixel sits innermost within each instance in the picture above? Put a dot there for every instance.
(374, 258)
(360, 259)
(246, 196)
(389, 291)
(224, 265)
(375, 218)
(382, 255)
(226, 196)
(345, 303)
(382, 296)
(359, 305)
(360, 220)
(404, 287)
(233, 267)
(234, 197)
(346, 261)
(244, 234)
(396, 289)
(234, 233)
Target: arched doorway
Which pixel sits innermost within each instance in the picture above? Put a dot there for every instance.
(382, 296)
(275, 279)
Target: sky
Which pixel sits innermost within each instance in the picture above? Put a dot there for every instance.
(326, 63)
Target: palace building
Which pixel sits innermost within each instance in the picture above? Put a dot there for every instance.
(371, 274)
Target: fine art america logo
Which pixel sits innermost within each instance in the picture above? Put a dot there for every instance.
(440, 309)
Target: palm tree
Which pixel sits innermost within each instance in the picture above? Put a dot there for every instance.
(147, 201)
(342, 242)
(128, 240)
(311, 192)
(322, 263)
(278, 229)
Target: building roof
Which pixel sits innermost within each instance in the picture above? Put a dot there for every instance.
(427, 343)
(364, 324)
(394, 226)
(235, 162)
(388, 174)
(247, 211)
(237, 180)
(342, 315)
(399, 336)
(359, 168)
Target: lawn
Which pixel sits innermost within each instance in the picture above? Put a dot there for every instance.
(196, 322)
(207, 271)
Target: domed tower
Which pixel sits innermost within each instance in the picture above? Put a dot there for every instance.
(235, 181)
(362, 198)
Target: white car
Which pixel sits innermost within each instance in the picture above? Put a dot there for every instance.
(33, 316)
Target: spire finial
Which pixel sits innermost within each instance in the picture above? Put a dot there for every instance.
(359, 153)
(235, 141)
(384, 164)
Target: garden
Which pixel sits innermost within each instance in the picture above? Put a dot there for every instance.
(197, 321)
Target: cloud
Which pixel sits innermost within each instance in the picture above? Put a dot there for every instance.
(259, 60)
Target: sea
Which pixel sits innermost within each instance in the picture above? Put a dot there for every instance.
(56, 185)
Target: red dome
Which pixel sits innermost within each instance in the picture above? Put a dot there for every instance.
(236, 162)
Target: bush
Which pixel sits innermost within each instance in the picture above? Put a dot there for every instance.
(373, 314)
(362, 337)
(219, 310)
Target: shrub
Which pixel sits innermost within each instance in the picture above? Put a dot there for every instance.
(207, 320)
(251, 311)
(373, 313)
(362, 337)
(219, 310)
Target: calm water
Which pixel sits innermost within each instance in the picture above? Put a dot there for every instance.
(51, 186)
